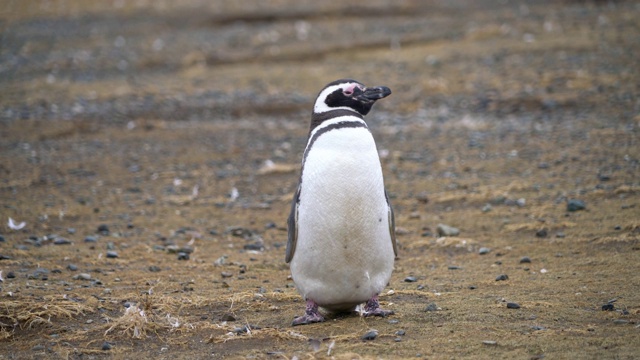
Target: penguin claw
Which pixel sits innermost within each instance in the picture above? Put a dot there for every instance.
(311, 315)
(379, 312)
(372, 308)
(307, 319)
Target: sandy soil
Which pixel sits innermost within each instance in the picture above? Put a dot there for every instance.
(136, 139)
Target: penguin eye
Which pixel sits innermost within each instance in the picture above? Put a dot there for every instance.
(348, 92)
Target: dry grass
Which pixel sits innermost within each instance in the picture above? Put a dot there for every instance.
(28, 313)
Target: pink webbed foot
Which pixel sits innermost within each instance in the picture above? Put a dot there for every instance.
(311, 315)
(372, 308)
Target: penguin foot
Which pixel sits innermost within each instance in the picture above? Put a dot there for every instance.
(372, 308)
(311, 315)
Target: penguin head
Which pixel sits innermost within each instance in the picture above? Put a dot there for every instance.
(348, 94)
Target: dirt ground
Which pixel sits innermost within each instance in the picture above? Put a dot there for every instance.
(152, 149)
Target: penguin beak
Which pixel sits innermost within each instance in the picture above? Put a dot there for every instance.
(374, 93)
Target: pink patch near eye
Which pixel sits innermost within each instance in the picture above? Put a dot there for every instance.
(349, 90)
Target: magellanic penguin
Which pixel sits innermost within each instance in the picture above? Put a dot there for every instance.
(341, 245)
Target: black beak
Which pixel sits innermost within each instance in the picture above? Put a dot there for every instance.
(375, 93)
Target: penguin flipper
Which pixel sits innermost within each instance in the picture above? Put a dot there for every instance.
(392, 225)
(292, 224)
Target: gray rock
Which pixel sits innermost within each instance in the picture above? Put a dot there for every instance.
(512, 305)
(82, 276)
(61, 241)
(525, 260)
(370, 335)
(410, 279)
(112, 254)
(575, 205)
(431, 307)
(542, 233)
(484, 251)
(446, 230)
(103, 229)
(502, 277)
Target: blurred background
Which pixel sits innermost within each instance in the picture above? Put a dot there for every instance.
(119, 60)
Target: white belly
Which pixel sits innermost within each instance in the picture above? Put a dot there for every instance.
(344, 252)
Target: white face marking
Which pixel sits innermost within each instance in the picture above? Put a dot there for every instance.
(320, 106)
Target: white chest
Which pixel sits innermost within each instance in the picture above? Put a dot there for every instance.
(344, 251)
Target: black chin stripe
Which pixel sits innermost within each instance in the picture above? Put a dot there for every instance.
(338, 125)
(317, 119)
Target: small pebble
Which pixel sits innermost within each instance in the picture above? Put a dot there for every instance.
(453, 267)
(538, 328)
(575, 205)
(393, 321)
(2, 238)
(431, 307)
(254, 246)
(82, 276)
(486, 208)
(521, 202)
(106, 346)
(472, 287)
(490, 342)
(91, 239)
(617, 227)
(71, 230)
(484, 251)
(38, 348)
(400, 332)
(542, 233)
(154, 268)
(560, 235)
(370, 335)
(446, 230)
(608, 307)
(183, 256)
(72, 267)
(620, 321)
(61, 241)
(112, 254)
(226, 274)
(103, 229)
(525, 260)
(410, 279)
(502, 277)
(512, 305)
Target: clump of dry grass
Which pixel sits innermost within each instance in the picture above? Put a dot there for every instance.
(30, 312)
(151, 314)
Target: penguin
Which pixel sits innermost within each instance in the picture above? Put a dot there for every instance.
(341, 243)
